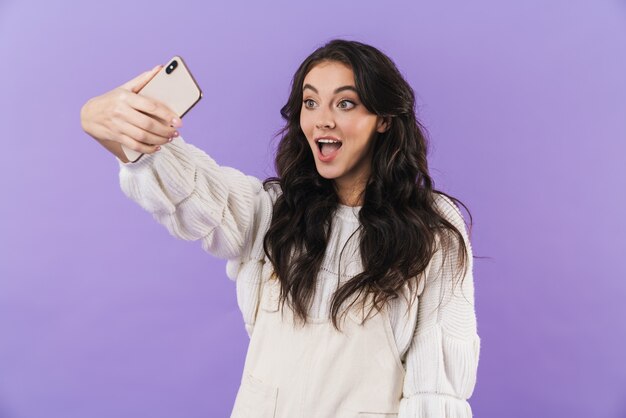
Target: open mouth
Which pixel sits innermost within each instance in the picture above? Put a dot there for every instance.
(328, 146)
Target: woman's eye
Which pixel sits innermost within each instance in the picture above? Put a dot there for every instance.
(309, 103)
(346, 104)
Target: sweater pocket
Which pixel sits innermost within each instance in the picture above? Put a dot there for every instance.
(255, 399)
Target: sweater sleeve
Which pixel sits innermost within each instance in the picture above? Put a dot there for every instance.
(442, 359)
(196, 199)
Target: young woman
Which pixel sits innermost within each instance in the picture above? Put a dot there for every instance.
(353, 274)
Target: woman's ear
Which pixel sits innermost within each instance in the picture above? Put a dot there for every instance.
(383, 124)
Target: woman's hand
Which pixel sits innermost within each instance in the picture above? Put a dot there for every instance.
(123, 117)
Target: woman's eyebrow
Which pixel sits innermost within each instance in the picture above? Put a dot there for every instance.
(337, 90)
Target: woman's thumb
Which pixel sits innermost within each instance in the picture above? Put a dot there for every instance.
(141, 80)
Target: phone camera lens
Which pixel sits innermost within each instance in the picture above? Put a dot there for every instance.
(171, 67)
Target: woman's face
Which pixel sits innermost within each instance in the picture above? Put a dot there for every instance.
(338, 128)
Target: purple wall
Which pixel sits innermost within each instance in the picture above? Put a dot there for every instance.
(103, 314)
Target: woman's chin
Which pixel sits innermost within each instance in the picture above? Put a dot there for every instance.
(327, 173)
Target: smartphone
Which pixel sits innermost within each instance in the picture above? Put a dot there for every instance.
(173, 86)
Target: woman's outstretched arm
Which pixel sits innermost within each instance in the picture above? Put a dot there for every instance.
(197, 199)
(184, 189)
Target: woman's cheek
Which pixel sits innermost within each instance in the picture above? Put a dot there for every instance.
(305, 126)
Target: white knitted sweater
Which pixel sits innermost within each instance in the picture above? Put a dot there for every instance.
(229, 212)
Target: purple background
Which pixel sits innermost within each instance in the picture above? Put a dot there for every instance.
(103, 314)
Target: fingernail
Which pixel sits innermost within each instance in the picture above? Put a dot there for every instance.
(176, 133)
(158, 148)
(177, 123)
(170, 139)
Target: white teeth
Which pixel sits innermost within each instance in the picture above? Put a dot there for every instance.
(328, 141)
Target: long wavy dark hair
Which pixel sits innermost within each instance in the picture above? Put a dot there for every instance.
(399, 221)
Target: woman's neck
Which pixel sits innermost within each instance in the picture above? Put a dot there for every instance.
(352, 194)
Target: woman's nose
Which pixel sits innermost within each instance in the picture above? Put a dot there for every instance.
(325, 122)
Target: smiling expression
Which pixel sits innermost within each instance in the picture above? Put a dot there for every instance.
(332, 113)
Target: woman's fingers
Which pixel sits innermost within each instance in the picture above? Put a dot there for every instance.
(140, 135)
(156, 109)
(132, 144)
(152, 125)
(146, 105)
(141, 80)
(135, 121)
